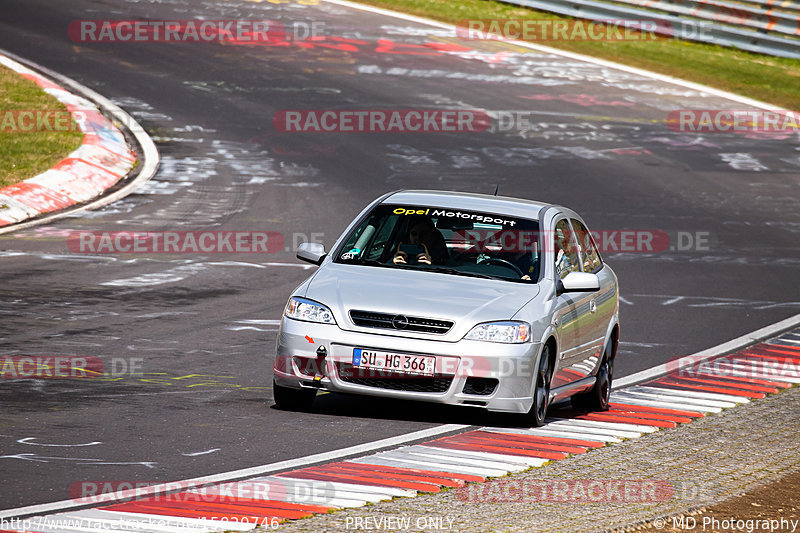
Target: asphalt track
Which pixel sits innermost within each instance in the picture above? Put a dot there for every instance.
(204, 326)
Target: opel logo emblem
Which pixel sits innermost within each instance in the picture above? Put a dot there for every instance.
(400, 322)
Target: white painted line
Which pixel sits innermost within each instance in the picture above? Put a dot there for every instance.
(655, 393)
(578, 428)
(240, 474)
(545, 432)
(492, 456)
(389, 459)
(690, 393)
(652, 402)
(624, 426)
(414, 464)
(692, 360)
(484, 469)
(442, 453)
(667, 402)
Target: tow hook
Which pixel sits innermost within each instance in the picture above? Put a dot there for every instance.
(322, 353)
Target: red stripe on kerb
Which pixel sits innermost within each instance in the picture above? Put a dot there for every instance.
(362, 480)
(501, 450)
(647, 408)
(535, 442)
(757, 381)
(649, 416)
(511, 443)
(676, 384)
(603, 416)
(266, 504)
(133, 507)
(409, 476)
(451, 475)
(712, 380)
(245, 508)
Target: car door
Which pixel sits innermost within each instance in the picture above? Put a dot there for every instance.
(601, 304)
(568, 312)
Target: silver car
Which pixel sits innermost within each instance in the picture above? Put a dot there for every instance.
(454, 298)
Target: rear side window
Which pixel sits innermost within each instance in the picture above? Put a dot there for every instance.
(591, 257)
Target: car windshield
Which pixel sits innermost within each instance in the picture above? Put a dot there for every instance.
(446, 240)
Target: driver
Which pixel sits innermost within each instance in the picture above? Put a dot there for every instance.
(422, 232)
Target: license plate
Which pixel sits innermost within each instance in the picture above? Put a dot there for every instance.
(410, 364)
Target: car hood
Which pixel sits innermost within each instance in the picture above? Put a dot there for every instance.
(463, 300)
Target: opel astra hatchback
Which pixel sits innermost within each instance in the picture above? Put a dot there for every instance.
(454, 298)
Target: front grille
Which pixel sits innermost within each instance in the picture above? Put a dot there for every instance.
(369, 319)
(381, 379)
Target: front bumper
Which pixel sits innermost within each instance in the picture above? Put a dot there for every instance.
(473, 364)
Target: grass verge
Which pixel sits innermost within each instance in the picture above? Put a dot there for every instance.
(24, 154)
(774, 80)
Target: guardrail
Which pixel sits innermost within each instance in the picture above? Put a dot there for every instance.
(704, 25)
(725, 12)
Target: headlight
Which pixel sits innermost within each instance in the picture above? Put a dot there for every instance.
(506, 332)
(302, 309)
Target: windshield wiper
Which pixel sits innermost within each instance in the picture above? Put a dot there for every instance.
(457, 272)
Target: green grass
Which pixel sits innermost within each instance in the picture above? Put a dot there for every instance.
(774, 80)
(26, 154)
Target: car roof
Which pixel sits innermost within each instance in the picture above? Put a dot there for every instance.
(471, 201)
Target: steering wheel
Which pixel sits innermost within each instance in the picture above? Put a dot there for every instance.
(501, 262)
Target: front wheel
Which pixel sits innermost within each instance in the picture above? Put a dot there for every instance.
(541, 393)
(290, 399)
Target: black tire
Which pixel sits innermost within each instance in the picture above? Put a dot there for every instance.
(541, 392)
(290, 399)
(598, 397)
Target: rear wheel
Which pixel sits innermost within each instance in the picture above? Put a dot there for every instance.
(541, 393)
(598, 397)
(293, 399)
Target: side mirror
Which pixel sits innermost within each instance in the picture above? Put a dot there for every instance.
(311, 252)
(578, 282)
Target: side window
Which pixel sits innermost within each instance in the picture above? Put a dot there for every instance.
(382, 237)
(565, 249)
(591, 257)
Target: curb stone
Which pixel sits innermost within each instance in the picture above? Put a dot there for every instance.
(104, 162)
